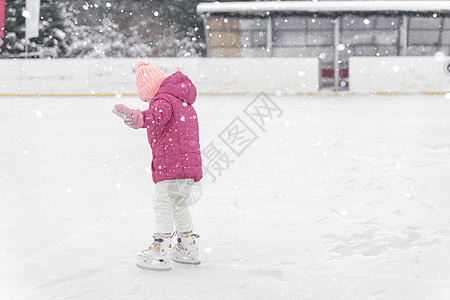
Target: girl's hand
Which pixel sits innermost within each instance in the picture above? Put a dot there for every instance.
(123, 112)
(132, 117)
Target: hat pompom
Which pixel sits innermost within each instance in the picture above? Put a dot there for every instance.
(141, 63)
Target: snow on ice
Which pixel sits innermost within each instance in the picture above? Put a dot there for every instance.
(340, 198)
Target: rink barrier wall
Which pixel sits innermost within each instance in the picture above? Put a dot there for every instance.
(224, 76)
(404, 75)
(110, 77)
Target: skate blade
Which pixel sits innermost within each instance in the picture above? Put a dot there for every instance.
(151, 267)
(186, 261)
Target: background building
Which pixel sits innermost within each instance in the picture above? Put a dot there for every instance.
(331, 30)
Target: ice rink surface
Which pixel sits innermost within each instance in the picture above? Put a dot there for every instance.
(339, 198)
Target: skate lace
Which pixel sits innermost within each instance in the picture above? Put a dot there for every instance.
(156, 245)
(181, 246)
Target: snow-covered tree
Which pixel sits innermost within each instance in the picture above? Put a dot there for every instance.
(145, 28)
(119, 28)
(55, 27)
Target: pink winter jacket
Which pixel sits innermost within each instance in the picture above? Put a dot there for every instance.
(172, 130)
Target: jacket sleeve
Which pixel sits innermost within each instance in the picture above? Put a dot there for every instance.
(158, 114)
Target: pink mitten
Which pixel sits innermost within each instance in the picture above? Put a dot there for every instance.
(132, 117)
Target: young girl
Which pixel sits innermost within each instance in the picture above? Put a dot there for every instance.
(172, 130)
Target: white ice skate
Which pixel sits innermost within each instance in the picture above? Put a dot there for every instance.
(146, 254)
(157, 257)
(186, 249)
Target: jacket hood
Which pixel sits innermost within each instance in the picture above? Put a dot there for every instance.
(180, 86)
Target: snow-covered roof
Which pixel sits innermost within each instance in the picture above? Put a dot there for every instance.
(323, 6)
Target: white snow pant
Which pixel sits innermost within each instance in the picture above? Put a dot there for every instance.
(168, 193)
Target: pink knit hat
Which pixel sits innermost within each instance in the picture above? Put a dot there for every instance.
(148, 80)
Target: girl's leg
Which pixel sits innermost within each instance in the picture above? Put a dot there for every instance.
(183, 219)
(180, 190)
(158, 255)
(163, 207)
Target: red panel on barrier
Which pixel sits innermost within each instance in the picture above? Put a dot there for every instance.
(329, 73)
(2, 19)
